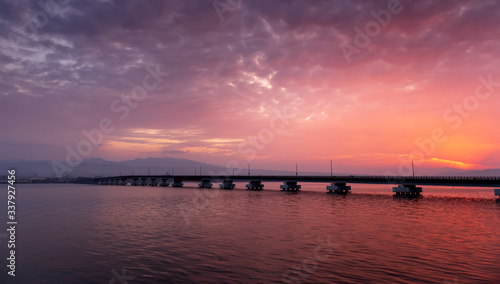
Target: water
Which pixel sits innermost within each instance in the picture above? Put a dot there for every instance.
(109, 234)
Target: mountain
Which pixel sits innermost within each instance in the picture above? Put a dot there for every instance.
(101, 167)
(27, 168)
(154, 166)
(167, 165)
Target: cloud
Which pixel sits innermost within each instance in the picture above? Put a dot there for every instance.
(228, 78)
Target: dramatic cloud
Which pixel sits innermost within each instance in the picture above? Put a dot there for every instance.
(368, 84)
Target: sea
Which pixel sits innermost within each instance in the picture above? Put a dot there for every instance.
(72, 233)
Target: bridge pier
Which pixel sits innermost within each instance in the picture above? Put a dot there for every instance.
(497, 192)
(164, 182)
(227, 184)
(205, 183)
(143, 181)
(255, 185)
(177, 183)
(153, 182)
(290, 186)
(134, 181)
(407, 189)
(338, 187)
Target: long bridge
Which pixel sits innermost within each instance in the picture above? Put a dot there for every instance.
(406, 185)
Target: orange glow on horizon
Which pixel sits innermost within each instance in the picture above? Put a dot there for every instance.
(455, 164)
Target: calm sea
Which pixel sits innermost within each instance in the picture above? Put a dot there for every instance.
(110, 234)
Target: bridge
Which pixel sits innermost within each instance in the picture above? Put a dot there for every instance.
(406, 185)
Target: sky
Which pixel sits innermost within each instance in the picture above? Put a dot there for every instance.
(365, 86)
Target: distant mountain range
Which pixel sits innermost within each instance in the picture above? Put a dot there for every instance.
(168, 165)
(100, 167)
(153, 166)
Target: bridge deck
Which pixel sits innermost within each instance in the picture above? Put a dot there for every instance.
(407, 180)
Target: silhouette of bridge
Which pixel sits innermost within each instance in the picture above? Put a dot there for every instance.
(406, 185)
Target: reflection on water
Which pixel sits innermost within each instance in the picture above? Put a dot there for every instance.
(98, 234)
